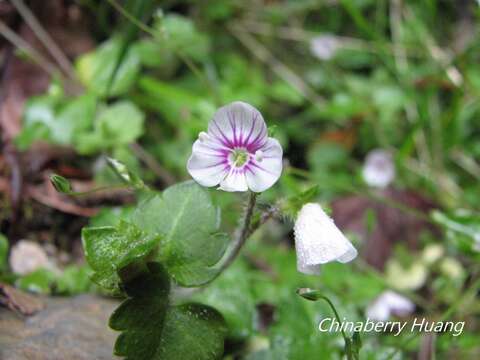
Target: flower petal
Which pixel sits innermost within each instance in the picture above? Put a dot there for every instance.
(379, 169)
(389, 302)
(207, 164)
(239, 125)
(318, 240)
(234, 181)
(261, 175)
(307, 269)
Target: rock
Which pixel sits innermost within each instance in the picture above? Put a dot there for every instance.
(27, 256)
(67, 329)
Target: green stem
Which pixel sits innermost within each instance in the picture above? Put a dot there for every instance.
(81, 193)
(242, 233)
(190, 64)
(471, 291)
(314, 295)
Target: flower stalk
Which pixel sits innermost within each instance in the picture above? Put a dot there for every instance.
(353, 343)
(242, 233)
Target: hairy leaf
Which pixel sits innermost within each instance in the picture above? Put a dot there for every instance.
(152, 329)
(108, 249)
(189, 223)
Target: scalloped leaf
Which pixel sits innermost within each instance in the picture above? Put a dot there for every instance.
(189, 224)
(152, 329)
(108, 249)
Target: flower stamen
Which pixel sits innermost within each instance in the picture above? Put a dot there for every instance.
(239, 157)
(203, 136)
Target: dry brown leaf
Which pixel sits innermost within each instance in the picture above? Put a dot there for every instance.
(19, 301)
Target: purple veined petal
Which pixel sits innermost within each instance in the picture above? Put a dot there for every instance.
(234, 181)
(238, 125)
(210, 147)
(261, 175)
(208, 168)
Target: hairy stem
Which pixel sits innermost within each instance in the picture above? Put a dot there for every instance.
(242, 232)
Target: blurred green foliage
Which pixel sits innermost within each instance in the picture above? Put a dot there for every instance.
(401, 77)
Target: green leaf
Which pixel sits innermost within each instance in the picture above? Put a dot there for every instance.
(39, 281)
(178, 33)
(60, 184)
(95, 69)
(295, 203)
(73, 280)
(55, 119)
(122, 122)
(294, 333)
(38, 119)
(76, 116)
(356, 343)
(189, 224)
(111, 216)
(152, 329)
(108, 249)
(3, 252)
(177, 102)
(232, 295)
(118, 124)
(463, 224)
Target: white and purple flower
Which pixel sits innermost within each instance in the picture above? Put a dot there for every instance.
(387, 304)
(236, 152)
(379, 169)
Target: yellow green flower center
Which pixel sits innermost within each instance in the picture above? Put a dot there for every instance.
(239, 157)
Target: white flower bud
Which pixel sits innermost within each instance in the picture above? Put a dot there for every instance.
(318, 240)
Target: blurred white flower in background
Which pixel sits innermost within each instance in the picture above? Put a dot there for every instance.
(325, 46)
(318, 240)
(27, 256)
(387, 304)
(432, 253)
(412, 277)
(452, 268)
(378, 169)
(476, 244)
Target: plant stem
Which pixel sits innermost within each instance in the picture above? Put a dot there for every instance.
(242, 233)
(44, 37)
(470, 292)
(314, 295)
(266, 215)
(190, 64)
(24, 46)
(103, 188)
